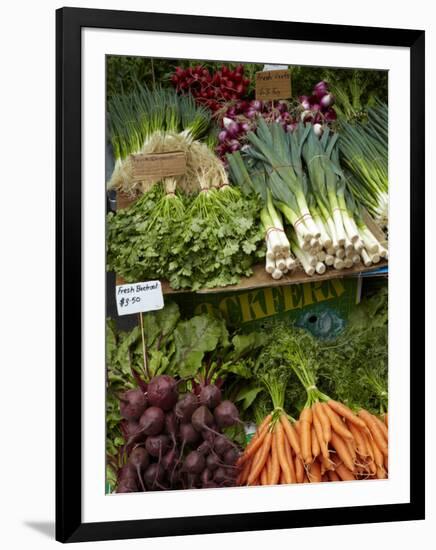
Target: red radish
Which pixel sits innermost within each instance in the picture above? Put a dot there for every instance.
(132, 404)
(162, 392)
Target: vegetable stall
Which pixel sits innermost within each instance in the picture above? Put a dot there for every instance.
(233, 201)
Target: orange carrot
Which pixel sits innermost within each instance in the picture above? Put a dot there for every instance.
(291, 434)
(320, 435)
(381, 473)
(281, 453)
(333, 476)
(306, 436)
(344, 473)
(263, 456)
(385, 418)
(358, 438)
(324, 421)
(282, 478)
(386, 463)
(325, 477)
(252, 450)
(345, 412)
(297, 427)
(314, 472)
(375, 430)
(299, 470)
(315, 443)
(382, 427)
(274, 474)
(264, 476)
(247, 452)
(326, 464)
(243, 474)
(351, 448)
(378, 455)
(337, 424)
(342, 450)
(290, 459)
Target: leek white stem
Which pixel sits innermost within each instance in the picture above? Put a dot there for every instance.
(365, 257)
(290, 263)
(356, 259)
(320, 268)
(281, 264)
(270, 265)
(277, 274)
(329, 259)
(321, 256)
(309, 269)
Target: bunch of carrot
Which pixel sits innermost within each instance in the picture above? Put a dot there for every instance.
(328, 443)
(273, 456)
(337, 444)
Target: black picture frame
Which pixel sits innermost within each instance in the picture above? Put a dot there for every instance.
(69, 23)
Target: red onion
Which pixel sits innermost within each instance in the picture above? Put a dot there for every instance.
(320, 89)
(317, 129)
(222, 136)
(256, 105)
(327, 101)
(304, 100)
(330, 115)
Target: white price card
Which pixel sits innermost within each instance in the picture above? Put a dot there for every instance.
(139, 297)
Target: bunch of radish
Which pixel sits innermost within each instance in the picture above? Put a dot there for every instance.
(211, 90)
(175, 441)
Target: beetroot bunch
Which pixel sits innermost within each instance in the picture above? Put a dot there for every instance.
(318, 107)
(211, 90)
(175, 441)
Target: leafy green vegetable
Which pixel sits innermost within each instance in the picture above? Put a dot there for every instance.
(198, 253)
(354, 368)
(193, 338)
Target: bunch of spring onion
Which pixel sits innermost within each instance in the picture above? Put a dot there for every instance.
(278, 258)
(154, 122)
(364, 150)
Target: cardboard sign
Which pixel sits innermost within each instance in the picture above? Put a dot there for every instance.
(139, 297)
(272, 85)
(158, 165)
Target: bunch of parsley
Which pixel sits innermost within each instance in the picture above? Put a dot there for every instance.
(195, 252)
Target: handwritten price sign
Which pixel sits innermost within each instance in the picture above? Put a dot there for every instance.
(273, 85)
(139, 297)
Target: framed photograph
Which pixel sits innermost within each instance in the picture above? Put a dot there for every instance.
(240, 235)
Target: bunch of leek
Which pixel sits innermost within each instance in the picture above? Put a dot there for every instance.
(364, 150)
